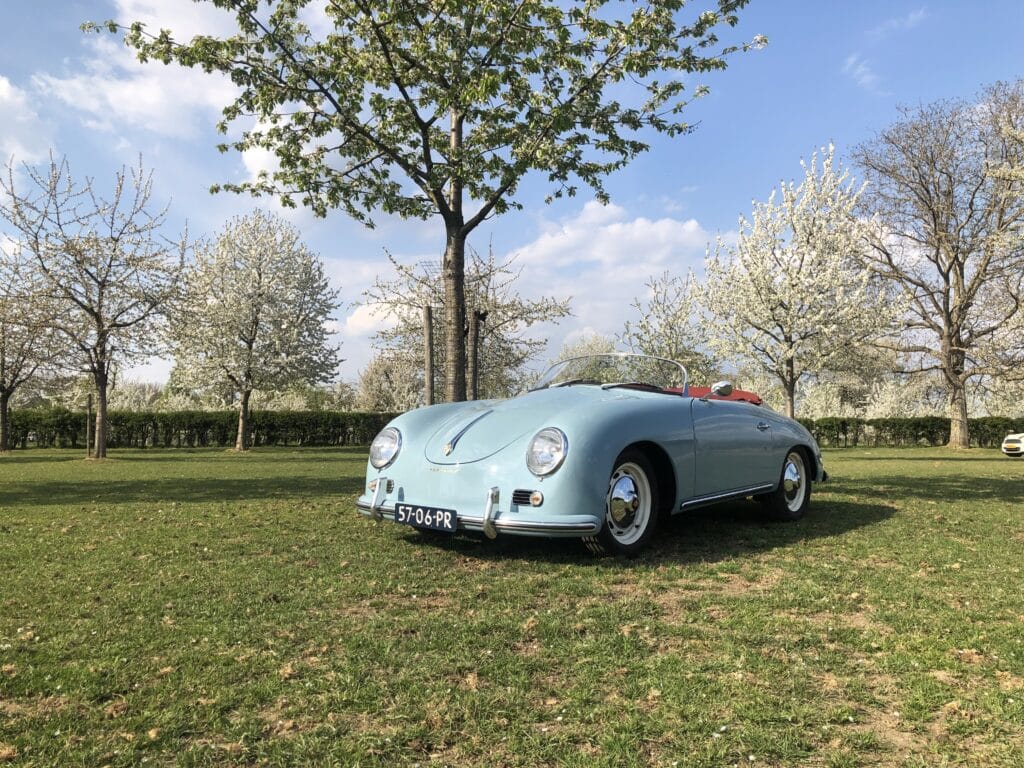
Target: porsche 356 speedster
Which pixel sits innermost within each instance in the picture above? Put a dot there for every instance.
(603, 448)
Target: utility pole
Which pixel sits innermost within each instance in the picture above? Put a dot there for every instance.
(473, 353)
(88, 426)
(428, 354)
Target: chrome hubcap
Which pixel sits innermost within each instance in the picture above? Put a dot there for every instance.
(624, 501)
(793, 481)
(628, 503)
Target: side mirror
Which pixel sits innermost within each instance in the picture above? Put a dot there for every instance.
(721, 388)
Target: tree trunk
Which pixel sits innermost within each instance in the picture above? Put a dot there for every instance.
(455, 314)
(954, 360)
(100, 451)
(5, 421)
(789, 385)
(428, 354)
(242, 438)
(958, 430)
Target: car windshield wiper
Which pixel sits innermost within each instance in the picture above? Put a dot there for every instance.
(567, 383)
(645, 385)
(571, 382)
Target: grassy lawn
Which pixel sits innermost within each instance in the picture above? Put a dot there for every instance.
(203, 608)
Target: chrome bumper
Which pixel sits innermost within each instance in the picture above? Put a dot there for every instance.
(496, 524)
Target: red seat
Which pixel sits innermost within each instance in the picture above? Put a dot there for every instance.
(740, 395)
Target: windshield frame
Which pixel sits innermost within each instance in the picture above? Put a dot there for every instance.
(550, 375)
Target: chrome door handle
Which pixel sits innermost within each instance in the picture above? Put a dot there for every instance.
(762, 426)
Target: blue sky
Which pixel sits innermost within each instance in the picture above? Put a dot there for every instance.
(834, 71)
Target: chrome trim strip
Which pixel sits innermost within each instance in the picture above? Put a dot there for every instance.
(728, 495)
(450, 445)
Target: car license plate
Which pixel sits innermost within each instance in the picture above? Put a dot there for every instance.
(427, 517)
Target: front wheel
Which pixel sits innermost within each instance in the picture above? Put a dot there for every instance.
(631, 507)
(790, 500)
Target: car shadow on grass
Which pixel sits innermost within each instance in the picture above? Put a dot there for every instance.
(710, 534)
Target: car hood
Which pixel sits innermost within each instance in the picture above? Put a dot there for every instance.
(484, 428)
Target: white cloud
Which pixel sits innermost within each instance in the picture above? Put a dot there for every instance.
(604, 235)
(366, 320)
(602, 257)
(114, 91)
(23, 135)
(857, 68)
(185, 18)
(898, 24)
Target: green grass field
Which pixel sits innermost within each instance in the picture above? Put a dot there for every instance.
(205, 608)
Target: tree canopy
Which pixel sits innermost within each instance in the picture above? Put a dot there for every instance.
(947, 187)
(790, 297)
(254, 313)
(102, 258)
(441, 108)
(504, 347)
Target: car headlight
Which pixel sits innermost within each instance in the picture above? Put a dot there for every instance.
(547, 451)
(385, 447)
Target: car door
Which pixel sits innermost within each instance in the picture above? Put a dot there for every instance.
(732, 447)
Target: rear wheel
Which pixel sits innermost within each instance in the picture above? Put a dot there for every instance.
(631, 507)
(790, 500)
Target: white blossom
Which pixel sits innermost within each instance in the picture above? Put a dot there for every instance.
(253, 313)
(788, 297)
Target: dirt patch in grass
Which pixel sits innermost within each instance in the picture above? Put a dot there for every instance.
(741, 585)
(674, 602)
(862, 620)
(887, 726)
(280, 723)
(47, 706)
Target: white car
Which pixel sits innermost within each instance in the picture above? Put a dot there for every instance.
(1013, 445)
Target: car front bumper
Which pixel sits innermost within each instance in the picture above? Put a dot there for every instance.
(1014, 448)
(583, 526)
(484, 501)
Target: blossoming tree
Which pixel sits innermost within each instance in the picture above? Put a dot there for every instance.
(254, 313)
(789, 298)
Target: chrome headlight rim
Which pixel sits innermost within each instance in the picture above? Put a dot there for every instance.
(562, 452)
(378, 459)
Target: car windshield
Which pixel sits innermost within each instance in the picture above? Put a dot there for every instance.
(616, 369)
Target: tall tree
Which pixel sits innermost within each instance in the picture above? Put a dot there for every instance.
(789, 297)
(254, 314)
(947, 186)
(441, 108)
(103, 258)
(587, 344)
(392, 382)
(668, 324)
(28, 342)
(503, 349)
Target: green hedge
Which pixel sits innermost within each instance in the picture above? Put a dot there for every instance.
(986, 432)
(59, 428)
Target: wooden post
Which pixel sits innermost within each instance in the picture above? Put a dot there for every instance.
(428, 354)
(472, 355)
(88, 426)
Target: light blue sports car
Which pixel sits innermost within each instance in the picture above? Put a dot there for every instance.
(603, 448)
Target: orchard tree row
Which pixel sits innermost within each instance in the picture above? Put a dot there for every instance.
(898, 294)
(91, 283)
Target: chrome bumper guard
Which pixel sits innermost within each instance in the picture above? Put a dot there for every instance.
(380, 490)
(488, 524)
